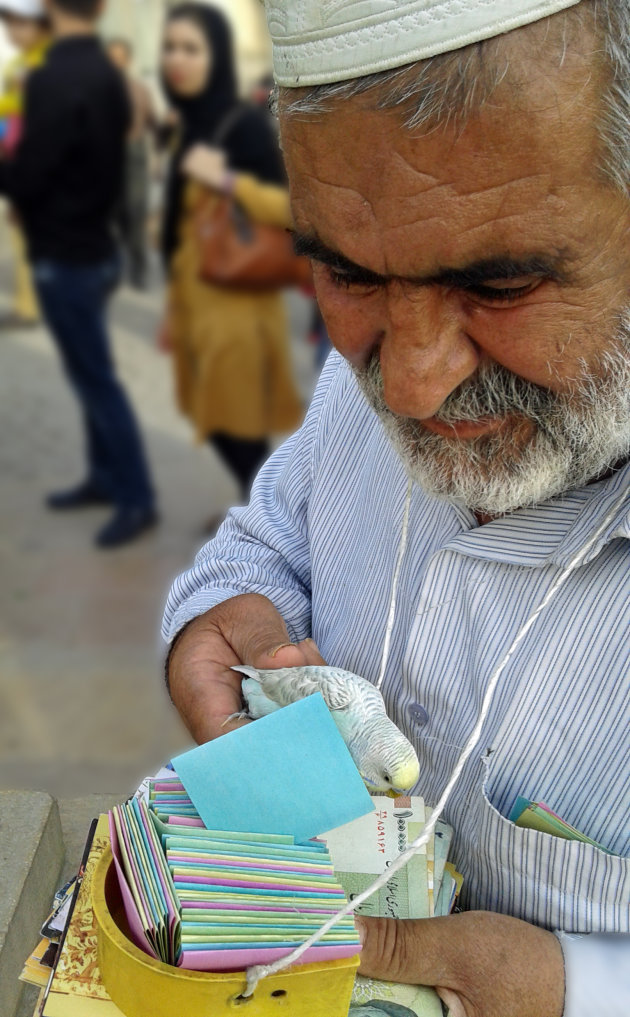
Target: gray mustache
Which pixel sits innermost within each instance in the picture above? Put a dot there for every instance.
(492, 392)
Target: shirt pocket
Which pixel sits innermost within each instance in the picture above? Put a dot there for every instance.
(551, 882)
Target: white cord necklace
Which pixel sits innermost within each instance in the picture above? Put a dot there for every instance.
(259, 971)
(392, 604)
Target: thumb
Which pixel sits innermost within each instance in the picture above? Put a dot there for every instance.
(402, 950)
(302, 654)
(282, 655)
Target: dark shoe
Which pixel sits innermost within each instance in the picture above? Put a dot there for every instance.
(83, 496)
(125, 525)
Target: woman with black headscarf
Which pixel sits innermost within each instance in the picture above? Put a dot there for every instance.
(230, 346)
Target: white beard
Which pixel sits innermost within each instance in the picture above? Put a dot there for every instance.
(577, 436)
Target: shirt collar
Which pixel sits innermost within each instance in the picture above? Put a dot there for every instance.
(553, 532)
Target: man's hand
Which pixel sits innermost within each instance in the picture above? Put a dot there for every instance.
(481, 964)
(243, 630)
(206, 165)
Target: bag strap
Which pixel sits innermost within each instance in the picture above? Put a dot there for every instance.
(226, 125)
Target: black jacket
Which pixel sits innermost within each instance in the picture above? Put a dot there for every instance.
(66, 175)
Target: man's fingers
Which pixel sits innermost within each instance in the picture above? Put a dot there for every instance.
(312, 656)
(256, 631)
(206, 693)
(258, 635)
(452, 1001)
(459, 955)
(243, 630)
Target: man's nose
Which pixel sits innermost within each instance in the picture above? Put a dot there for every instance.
(425, 352)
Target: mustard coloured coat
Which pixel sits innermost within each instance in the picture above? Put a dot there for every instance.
(230, 347)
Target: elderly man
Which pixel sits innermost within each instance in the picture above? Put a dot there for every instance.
(459, 176)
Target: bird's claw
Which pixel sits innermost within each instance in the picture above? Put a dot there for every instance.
(242, 715)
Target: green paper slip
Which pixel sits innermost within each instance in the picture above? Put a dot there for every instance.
(445, 896)
(443, 835)
(164, 811)
(254, 876)
(200, 833)
(212, 916)
(249, 852)
(230, 941)
(322, 904)
(417, 887)
(228, 933)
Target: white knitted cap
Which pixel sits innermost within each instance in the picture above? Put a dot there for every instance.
(321, 41)
(23, 8)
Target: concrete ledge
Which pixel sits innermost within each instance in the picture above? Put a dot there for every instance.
(31, 858)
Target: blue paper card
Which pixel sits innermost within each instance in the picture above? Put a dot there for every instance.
(288, 773)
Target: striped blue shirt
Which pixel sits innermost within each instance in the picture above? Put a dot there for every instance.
(320, 539)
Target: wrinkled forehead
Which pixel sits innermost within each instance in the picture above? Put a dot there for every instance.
(511, 178)
(354, 148)
(548, 74)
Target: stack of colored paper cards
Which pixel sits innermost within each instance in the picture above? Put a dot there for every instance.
(219, 900)
(223, 872)
(255, 895)
(149, 897)
(538, 816)
(170, 802)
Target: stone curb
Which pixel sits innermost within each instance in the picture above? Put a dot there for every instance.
(31, 858)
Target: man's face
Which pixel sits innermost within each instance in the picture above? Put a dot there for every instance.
(464, 260)
(23, 32)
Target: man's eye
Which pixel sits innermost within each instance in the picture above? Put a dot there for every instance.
(505, 293)
(346, 280)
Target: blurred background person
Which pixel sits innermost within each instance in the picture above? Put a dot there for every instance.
(134, 204)
(262, 90)
(65, 179)
(230, 345)
(27, 29)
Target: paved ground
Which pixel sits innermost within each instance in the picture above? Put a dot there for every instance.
(82, 705)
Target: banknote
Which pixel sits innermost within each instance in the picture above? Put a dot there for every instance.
(365, 848)
(373, 998)
(437, 853)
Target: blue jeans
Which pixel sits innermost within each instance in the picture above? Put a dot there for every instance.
(73, 299)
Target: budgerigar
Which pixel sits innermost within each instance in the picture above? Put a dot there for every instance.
(384, 757)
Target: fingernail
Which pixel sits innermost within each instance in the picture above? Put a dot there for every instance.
(281, 647)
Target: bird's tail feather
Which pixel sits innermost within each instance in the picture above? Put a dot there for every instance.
(251, 672)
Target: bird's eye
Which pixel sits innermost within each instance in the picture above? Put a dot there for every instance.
(387, 778)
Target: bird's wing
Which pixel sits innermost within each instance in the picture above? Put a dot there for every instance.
(287, 685)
